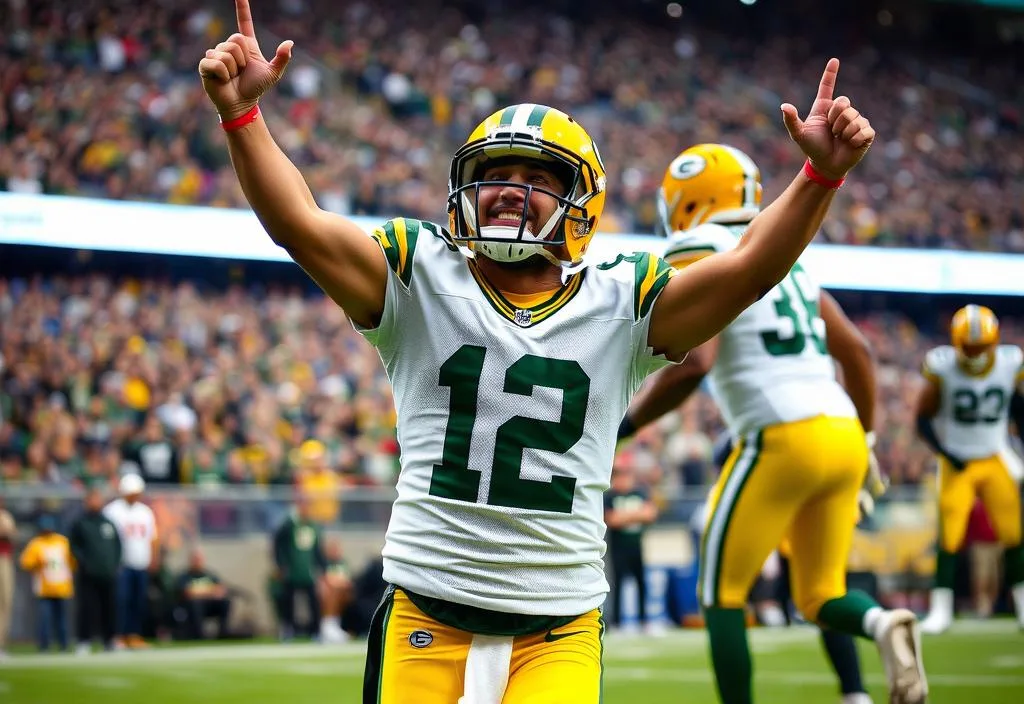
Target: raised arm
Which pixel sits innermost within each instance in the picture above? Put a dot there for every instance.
(851, 350)
(701, 300)
(667, 389)
(343, 260)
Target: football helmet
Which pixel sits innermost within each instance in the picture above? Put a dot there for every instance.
(974, 332)
(535, 132)
(708, 183)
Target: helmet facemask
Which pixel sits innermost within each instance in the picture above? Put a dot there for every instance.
(975, 358)
(516, 243)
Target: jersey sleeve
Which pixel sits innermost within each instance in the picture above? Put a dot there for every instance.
(403, 241)
(684, 248)
(651, 275)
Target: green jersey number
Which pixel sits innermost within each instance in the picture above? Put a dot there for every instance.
(800, 311)
(971, 408)
(454, 479)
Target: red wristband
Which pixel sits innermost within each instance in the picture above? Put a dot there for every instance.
(242, 120)
(811, 173)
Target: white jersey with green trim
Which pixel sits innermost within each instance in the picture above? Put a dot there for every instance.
(973, 418)
(773, 365)
(507, 421)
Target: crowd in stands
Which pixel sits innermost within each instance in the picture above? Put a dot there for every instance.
(101, 376)
(102, 99)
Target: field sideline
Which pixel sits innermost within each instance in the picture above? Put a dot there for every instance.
(977, 663)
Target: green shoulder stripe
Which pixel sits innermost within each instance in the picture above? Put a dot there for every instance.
(650, 276)
(441, 234)
(398, 240)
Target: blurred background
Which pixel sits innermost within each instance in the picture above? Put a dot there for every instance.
(148, 326)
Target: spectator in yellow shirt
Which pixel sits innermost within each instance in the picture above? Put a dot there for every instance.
(318, 482)
(48, 557)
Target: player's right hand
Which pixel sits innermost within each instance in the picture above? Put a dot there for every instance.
(235, 73)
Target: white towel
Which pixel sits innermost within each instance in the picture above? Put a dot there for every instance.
(487, 666)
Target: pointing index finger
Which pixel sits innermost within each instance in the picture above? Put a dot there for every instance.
(244, 16)
(825, 88)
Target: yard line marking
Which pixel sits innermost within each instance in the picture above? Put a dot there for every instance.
(704, 675)
(200, 654)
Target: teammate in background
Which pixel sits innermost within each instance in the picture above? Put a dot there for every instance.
(511, 366)
(963, 415)
(839, 647)
(802, 455)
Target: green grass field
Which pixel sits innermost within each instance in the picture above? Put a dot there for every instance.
(977, 663)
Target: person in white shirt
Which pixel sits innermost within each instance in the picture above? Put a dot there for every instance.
(136, 526)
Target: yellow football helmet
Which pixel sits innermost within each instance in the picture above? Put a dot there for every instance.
(709, 183)
(540, 133)
(974, 332)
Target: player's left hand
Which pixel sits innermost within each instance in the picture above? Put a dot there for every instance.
(834, 136)
(876, 484)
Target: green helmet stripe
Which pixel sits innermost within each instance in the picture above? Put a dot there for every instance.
(537, 116)
(506, 116)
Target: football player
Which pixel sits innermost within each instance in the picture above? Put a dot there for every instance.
(963, 415)
(512, 365)
(802, 454)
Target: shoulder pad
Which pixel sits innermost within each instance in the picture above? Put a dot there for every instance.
(701, 241)
(938, 361)
(650, 274)
(1011, 353)
(399, 237)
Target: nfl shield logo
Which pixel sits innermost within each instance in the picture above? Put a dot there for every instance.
(523, 317)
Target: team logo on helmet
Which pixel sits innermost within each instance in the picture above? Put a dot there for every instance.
(687, 166)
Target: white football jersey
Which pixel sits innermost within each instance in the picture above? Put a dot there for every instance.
(507, 421)
(136, 525)
(773, 365)
(973, 417)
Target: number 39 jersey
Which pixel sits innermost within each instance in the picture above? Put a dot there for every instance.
(772, 365)
(507, 420)
(973, 417)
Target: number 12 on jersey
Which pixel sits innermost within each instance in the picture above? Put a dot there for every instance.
(453, 478)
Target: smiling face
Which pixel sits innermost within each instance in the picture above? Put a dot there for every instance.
(502, 205)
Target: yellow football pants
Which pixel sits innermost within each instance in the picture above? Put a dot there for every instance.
(411, 658)
(988, 479)
(793, 479)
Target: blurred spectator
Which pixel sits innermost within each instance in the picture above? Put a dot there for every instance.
(8, 532)
(265, 370)
(48, 557)
(335, 590)
(202, 595)
(628, 510)
(318, 482)
(298, 561)
(96, 547)
(136, 526)
(367, 591)
(372, 123)
(154, 454)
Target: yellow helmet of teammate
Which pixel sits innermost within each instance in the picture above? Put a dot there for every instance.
(709, 183)
(540, 133)
(974, 332)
